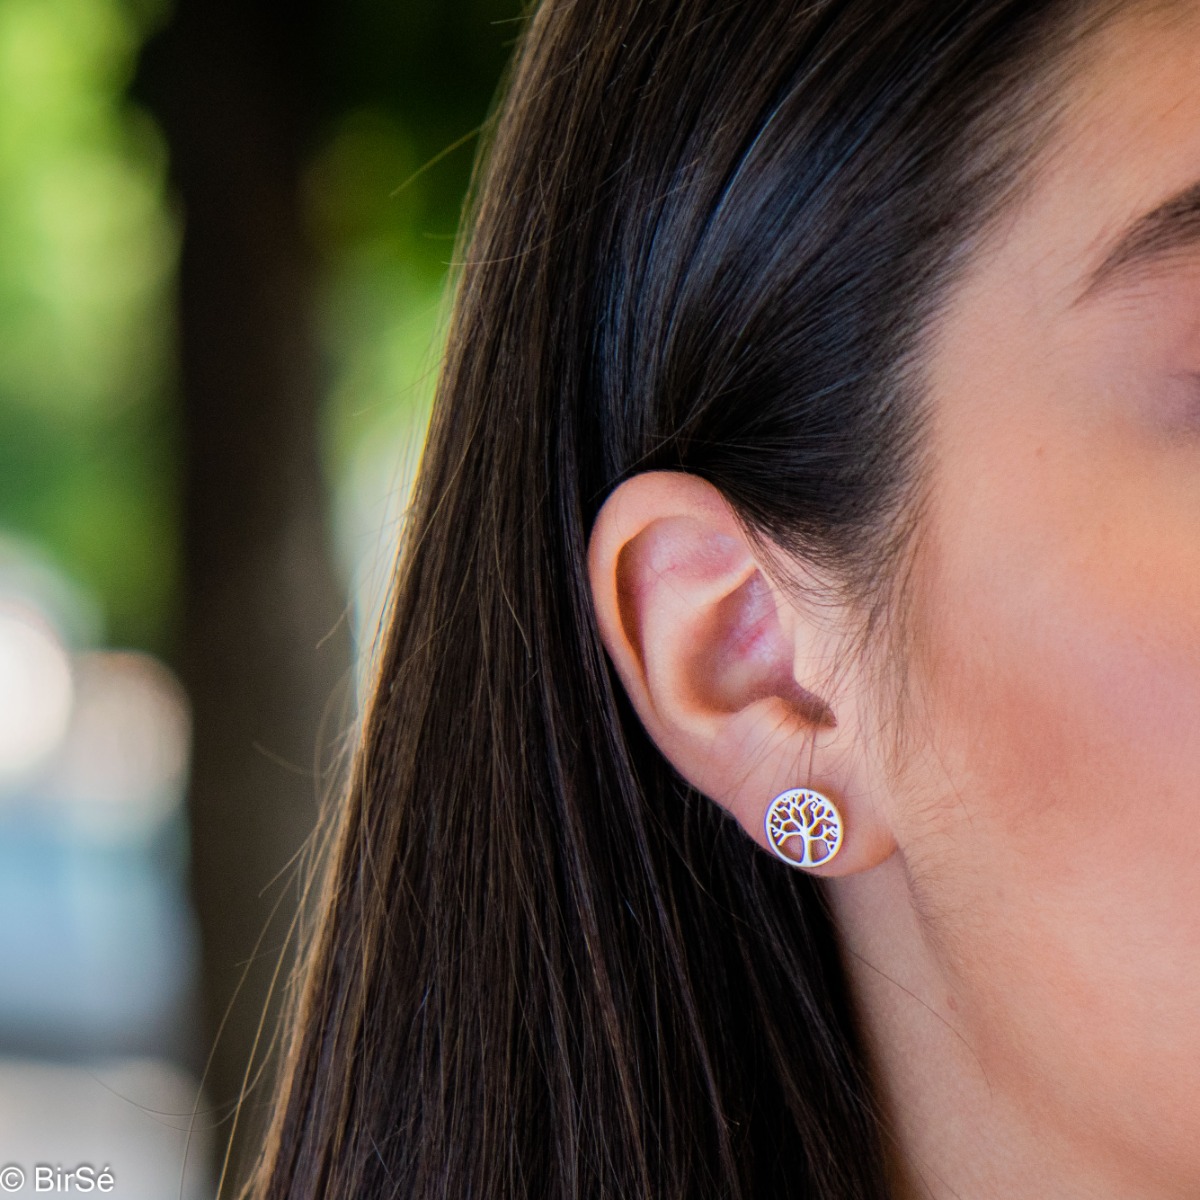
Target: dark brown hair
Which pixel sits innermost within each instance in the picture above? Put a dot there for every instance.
(708, 236)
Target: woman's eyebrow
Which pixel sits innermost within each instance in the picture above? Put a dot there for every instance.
(1170, 229)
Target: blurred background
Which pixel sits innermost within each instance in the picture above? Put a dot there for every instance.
(225, 229)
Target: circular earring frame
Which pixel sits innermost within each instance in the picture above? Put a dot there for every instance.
(812, 817)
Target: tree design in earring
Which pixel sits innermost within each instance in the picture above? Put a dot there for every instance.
(811, 819)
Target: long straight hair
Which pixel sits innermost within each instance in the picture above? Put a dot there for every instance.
(706, 236)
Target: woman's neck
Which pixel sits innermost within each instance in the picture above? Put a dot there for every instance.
(960, 1124)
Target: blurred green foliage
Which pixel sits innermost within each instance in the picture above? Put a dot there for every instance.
(383, 276)
(415, 82)
(87, 247)
(89, 242)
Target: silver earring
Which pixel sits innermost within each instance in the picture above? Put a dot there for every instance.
(809, 818)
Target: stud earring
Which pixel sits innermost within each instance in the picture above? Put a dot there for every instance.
(807, 818)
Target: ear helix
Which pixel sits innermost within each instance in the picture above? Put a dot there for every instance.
(808, 823)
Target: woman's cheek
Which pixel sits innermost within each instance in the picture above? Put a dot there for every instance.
(1058, 650)
(1061, 843)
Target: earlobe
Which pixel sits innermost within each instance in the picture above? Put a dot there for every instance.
(706, 647)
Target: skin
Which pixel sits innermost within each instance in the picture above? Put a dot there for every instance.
(1018, 892)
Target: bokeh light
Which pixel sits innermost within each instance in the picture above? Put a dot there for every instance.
(36, 692)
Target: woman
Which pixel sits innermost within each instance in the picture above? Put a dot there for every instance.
(821, 411)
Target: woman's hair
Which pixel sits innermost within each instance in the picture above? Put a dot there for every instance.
(711, 237)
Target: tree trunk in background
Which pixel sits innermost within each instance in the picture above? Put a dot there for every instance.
(264, 648)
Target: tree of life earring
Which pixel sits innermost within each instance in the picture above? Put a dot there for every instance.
(809, 821)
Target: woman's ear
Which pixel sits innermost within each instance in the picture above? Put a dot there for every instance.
(729, 678)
